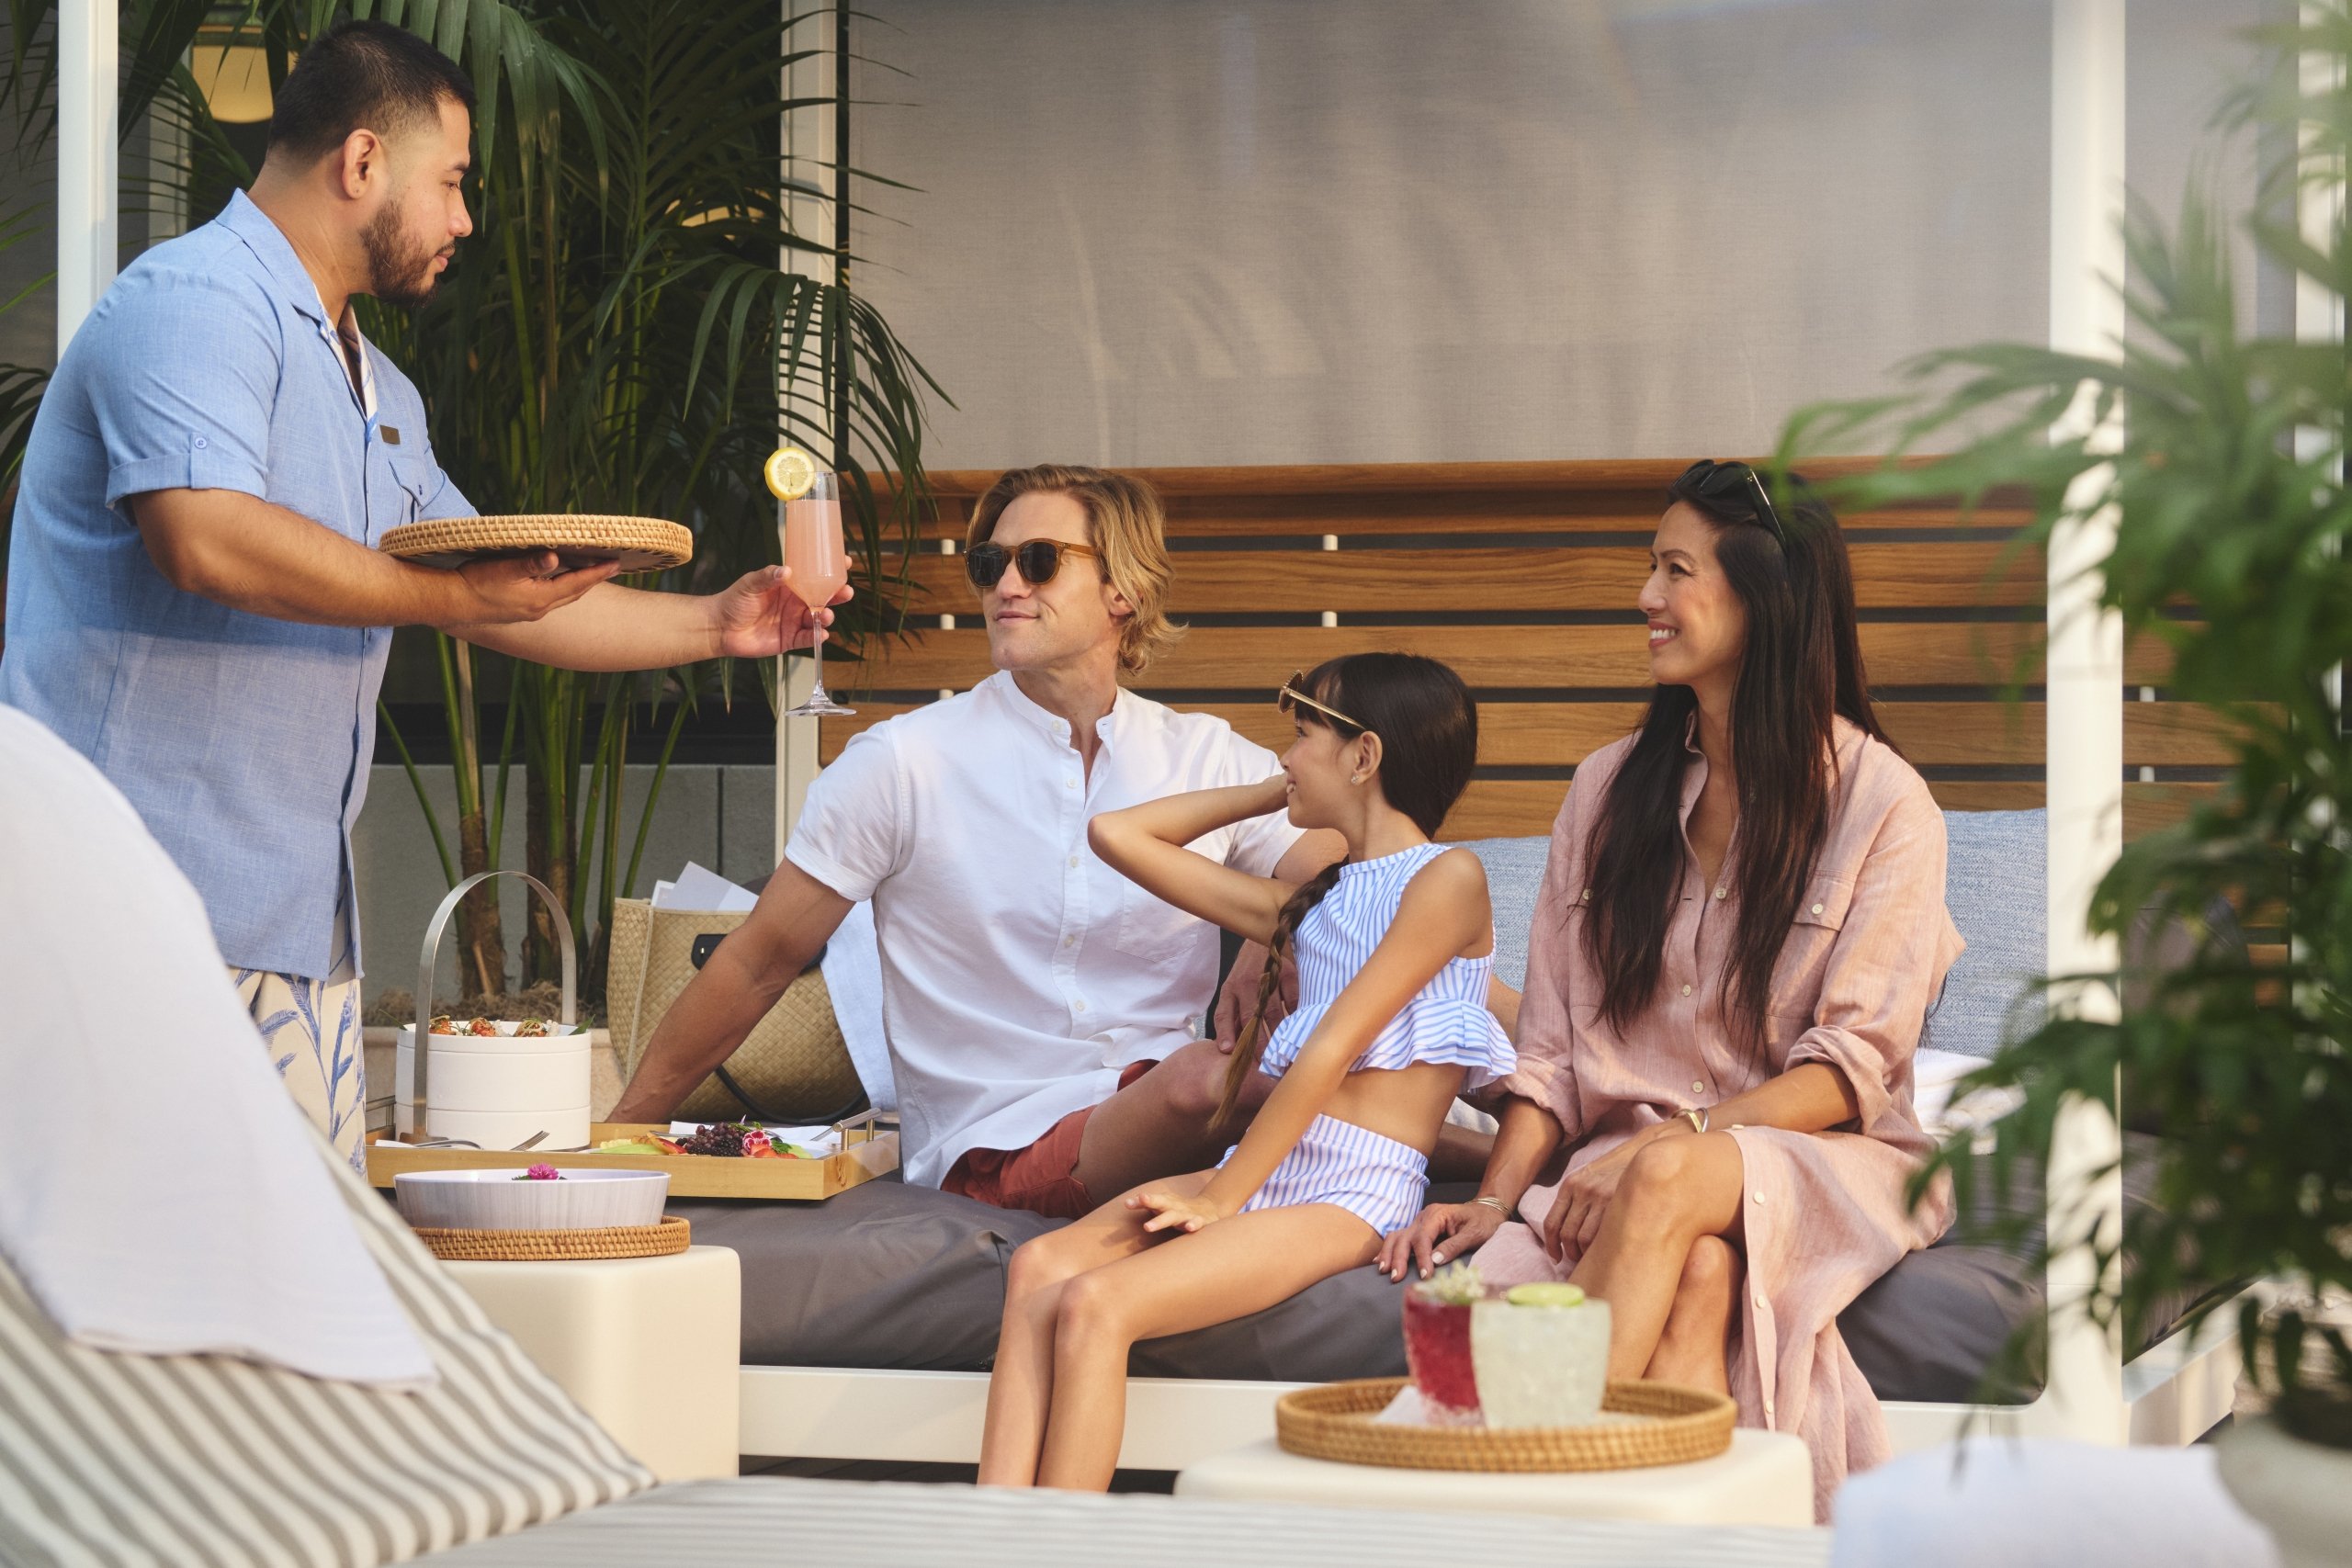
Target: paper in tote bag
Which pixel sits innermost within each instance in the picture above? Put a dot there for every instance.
(794, 1066)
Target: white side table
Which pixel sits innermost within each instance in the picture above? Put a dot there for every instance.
(647, 1346)
(1764, 1477)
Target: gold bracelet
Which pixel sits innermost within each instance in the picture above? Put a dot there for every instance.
(1488, 1199)
(1696, 1115)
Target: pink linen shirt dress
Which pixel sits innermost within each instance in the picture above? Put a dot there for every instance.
(1824, 1213)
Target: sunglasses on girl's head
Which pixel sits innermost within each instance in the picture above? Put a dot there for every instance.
(1039, 559)
(1294, 693)
(1716, 481)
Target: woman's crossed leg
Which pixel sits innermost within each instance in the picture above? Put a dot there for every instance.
(1666, 1260)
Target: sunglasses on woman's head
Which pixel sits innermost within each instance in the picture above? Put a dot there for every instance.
(1039, 559)
(1294, 693)
(1717, 481)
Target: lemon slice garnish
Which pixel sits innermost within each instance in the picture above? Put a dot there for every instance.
(1545, 1294)
(789, 472)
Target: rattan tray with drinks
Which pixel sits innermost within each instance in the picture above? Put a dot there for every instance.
(1643, 1424)
(640, 544)
(864, 1151)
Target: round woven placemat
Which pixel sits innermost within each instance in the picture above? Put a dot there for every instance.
(672, 1234)
(1335, 1422)
(641, 544)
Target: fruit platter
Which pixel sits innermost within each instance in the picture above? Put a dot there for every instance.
(716, 1159)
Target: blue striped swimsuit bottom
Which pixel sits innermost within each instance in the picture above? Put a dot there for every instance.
(1377, 1180)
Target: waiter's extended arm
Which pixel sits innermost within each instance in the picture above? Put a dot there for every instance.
(241, 551)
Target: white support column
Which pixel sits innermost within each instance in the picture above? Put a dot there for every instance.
(87, 60)
(2319, 214)
(808, 159)
(2085, 688)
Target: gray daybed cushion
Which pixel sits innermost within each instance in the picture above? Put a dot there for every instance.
(887, 1275)
(891, 1276)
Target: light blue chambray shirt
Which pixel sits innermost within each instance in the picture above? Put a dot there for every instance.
(243, 742)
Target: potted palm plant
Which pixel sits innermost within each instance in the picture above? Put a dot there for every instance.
(2233, 509)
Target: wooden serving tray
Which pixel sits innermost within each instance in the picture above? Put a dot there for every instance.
(867, 1153)
(1675, 1425)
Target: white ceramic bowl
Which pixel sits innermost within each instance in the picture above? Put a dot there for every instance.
(497, 1200)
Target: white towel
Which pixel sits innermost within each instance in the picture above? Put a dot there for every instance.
(2042, 1503)
(853, 969)
(159, 1191)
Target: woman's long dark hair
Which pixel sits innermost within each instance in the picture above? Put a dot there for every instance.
(1801, 670)
(1428, 727)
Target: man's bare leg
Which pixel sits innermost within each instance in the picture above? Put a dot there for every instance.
(1159, 1124)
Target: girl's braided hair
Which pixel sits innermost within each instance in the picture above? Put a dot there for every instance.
(1428, 725)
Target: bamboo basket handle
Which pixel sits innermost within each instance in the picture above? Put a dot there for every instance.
(429, 959)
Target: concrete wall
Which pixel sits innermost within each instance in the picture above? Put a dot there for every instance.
(721, 817)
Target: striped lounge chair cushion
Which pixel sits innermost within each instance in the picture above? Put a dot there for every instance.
(108, 1458)
(772, 1521)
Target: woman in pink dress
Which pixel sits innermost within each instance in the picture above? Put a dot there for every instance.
(1741, 926)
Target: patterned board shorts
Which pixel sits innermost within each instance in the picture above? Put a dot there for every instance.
(1377, 1180)
(312, 1031)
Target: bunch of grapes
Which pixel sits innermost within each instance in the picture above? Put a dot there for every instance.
(725, 1138)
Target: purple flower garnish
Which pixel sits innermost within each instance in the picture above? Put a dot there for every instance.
(541, 1173)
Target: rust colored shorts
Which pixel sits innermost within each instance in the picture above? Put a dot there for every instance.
(1040, 1178)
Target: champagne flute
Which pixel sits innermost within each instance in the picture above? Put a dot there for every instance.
(813, 550)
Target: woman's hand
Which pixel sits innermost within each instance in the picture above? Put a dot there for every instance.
(1174, 1212)
(1442, 1233)
(1576, 1214)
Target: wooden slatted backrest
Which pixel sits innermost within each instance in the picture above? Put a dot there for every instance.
(1523, 576)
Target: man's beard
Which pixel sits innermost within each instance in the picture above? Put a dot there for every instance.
(398, 273)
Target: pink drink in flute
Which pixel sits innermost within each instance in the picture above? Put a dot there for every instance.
(813, 548)
(815, 554)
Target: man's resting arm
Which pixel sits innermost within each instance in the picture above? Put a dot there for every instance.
(737, 986)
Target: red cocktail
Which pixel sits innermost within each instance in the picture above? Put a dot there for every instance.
(1437, 1346)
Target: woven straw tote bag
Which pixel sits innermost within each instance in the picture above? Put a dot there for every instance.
(793, 1067)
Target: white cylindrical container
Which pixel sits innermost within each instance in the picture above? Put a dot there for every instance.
(1540, 1364)
(484, 1084)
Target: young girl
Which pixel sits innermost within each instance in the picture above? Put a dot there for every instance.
(1394, 947)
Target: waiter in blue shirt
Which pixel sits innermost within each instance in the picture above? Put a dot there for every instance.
(194, 603)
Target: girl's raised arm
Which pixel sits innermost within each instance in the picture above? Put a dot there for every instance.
(1444, 911)
(1145, 845)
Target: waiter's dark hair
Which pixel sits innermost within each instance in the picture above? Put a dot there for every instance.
(356, 75)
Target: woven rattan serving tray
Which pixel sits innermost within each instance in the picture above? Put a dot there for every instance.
(672, 1234)
(1335, 1422)
(640, 544)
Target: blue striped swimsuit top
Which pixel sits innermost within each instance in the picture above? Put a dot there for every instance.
(1446, 1022)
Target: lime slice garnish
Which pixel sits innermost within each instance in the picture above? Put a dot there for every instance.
(1545, 1294)
(789, 472)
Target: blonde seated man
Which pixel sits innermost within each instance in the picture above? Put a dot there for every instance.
(1040, 1007)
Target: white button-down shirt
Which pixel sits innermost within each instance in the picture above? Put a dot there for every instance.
(1020, 973)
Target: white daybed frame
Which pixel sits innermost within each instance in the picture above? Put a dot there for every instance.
(2170, 1394)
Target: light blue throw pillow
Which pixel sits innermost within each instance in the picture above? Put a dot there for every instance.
(1992, 887)
(1514, 873)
